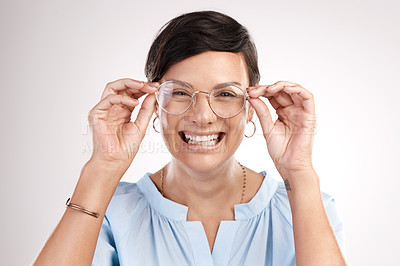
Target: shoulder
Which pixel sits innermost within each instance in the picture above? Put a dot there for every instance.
(126, 188)
(127, 197)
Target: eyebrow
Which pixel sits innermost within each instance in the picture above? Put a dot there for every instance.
(219, 85)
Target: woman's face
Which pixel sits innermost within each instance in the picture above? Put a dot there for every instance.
(204, 72)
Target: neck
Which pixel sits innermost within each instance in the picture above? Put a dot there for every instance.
(204, 189)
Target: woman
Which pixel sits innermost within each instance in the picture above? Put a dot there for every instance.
(203, 207)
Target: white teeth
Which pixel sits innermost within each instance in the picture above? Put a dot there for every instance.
(202, 140)
(210, 142)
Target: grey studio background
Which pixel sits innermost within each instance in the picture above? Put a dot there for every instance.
(57, 56)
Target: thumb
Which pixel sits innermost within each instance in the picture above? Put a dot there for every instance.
(263, 114)
(145, 113)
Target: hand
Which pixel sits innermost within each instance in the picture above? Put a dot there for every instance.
(290, 138)
(116, 138)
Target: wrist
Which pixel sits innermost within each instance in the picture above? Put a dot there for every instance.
(107, 166)
(301, 182)
(101, 175)
(298, 172)
(96, 185)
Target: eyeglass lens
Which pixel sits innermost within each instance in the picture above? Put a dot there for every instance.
(175, 98)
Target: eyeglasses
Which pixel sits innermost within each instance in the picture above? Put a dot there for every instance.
(226, 100)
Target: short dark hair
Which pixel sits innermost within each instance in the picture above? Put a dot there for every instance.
(197, 32)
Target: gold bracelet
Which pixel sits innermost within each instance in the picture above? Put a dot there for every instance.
(79, 208)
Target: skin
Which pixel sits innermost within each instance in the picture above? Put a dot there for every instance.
(196, 175)
(208, 182)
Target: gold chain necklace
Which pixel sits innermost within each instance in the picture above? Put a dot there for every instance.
(244, 181)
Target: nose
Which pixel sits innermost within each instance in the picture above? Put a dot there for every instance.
(202, 113)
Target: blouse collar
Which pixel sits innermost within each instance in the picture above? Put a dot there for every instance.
(178, 212)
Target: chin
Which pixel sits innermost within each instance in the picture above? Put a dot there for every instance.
(202, 159)
(203, 163)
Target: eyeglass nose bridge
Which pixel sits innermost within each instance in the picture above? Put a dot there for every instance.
(194, 97)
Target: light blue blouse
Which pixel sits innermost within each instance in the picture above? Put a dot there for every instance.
(141, 227)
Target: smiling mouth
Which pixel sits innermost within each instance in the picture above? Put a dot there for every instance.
(206, 140)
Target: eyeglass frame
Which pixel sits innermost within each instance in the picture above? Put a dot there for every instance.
(193, 96)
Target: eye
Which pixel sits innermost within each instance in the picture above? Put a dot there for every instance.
(226, 94)
(180, 93)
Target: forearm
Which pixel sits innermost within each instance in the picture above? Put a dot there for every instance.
(315, 241)
(73, 242)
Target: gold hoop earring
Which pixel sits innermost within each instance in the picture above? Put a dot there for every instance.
(154, 127)
(254, 130)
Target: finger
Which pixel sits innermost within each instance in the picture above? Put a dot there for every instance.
(118, 86)
(114, 99)
(145, 113)
(149, 88)
(129, 108)
(283, 99)
(296, 99)
(262, 90)
(282, 83)
(130, 86)
(263, 114)
(274, 103)
(303, 97)
(282, 115)
(257, 91)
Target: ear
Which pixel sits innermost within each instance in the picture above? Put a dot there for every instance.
(156, 112)
(250, 110)
(250, 113)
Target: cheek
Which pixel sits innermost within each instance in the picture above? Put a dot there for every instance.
(169, 126)
(165, 127)
(237, 127)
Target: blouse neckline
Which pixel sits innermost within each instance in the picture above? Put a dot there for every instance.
(178, 212)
